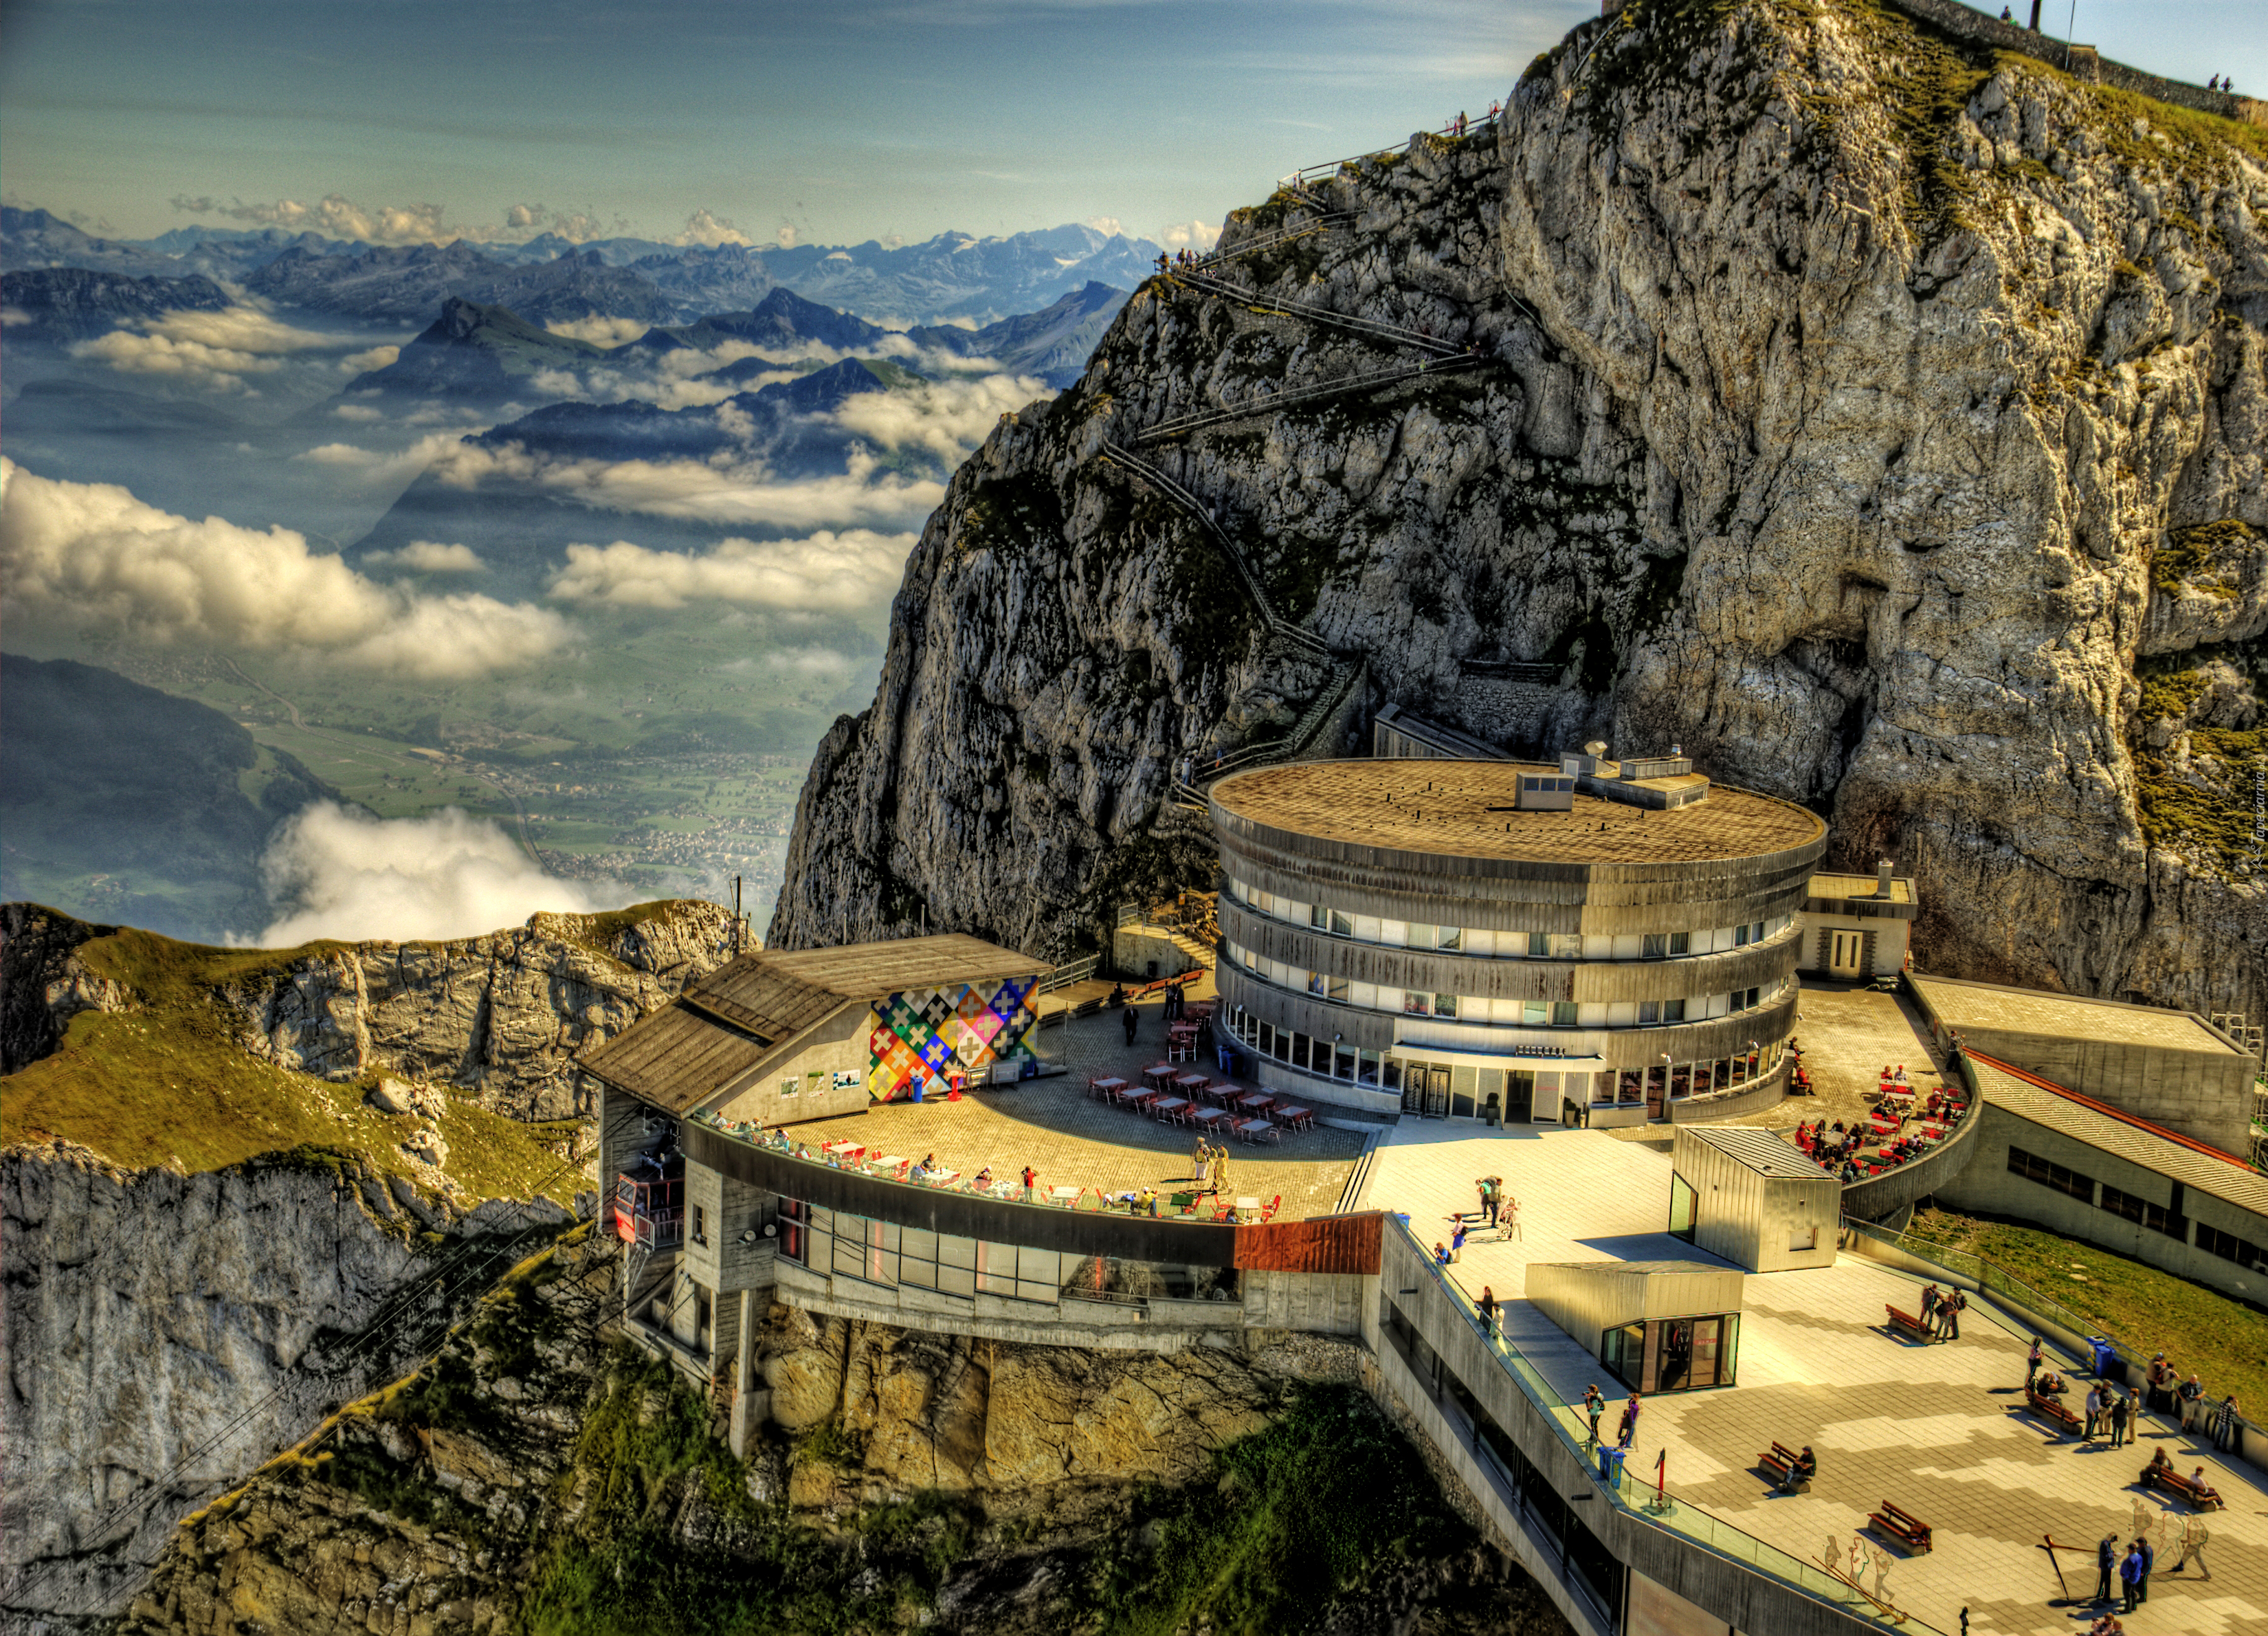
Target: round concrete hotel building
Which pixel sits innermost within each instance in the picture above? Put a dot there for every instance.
(1595, 942)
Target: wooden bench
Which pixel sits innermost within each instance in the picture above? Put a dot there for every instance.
(1779, 1461)
(2174, 1483)
(1902, 1526)
(1907, 1322)
(2047, 1406)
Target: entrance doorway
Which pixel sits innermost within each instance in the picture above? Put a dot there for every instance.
(1519, 1095)
(1433, 1093)
(1846, 953)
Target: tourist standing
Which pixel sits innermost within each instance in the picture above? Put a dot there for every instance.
(1487, 1305)
(2130, 1577)
(2106, 1566)
(1628, 1429)
(1929, 1302)
(1508, 1216)
(2093, 1411)
(1948, 1314)
(1486, 1187)
(2149, 1560)
(2190, 1394)
(1593, 1406)
(2121, 1406)
(1457, 1240)
(1129, 1020)
(2226, 1432)
(2032, 1363)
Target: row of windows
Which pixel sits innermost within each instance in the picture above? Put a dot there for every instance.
(1505, 944)
(1532, 1013)
(2126, 1206)
(2229, 1247)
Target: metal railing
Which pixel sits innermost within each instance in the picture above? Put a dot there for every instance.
(1298, 397)
(1632, 1497)
(1377, 329)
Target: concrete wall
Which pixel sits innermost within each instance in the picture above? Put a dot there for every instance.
(1133, 947)
(2207, 1095)
(1985, 1183)
(836, 1046)
(1882, 955)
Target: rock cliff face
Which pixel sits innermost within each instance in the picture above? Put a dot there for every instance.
(500, 1016)
(533, 1478)
(166, 1331)
(149, 1312)
(1879, 417)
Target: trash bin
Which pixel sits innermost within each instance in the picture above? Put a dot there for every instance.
(2105, 1355)
(1610, 1465)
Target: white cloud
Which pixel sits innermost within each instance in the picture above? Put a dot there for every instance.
(826, 573)
(361, 413)
(206, 348)
(334, 215)
(945, 418)
(604, 332)
(789, 235)
(1189, 235)
(376, 468)
(702, 228)
(362, 363)
(742, 496)
(335, 873)
(431, 556)
(1109, 225)
(78, 555)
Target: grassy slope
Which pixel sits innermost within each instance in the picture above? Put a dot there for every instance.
(2224, 1342)
(172, 1084)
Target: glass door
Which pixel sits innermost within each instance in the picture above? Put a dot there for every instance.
(1681, 1207)
(1676, 1372)
(1520, 1100)
(1708, 1352)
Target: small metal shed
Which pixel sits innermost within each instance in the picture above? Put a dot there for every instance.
(1752, 1197)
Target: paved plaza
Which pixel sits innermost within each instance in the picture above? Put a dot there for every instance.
(1073, 1141)
(1931, 1428)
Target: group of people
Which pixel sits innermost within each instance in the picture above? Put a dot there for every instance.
(1177, 258)
(2112, 1409)
(1209, 1163)
(1595, 1405)
(2200, 1488)
(1941, 1310)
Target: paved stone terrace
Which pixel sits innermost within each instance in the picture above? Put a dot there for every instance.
(1928, 1427)
(1074, 1141)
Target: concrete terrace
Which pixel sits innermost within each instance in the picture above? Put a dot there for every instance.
(1929, 1427)
(1074, 1141)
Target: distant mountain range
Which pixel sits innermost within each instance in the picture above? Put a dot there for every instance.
(62, 304)
(550, 280)
(482, 356)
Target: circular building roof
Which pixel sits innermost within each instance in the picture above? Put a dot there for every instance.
(1463, 809)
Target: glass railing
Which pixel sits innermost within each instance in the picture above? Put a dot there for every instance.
(1631, 1494)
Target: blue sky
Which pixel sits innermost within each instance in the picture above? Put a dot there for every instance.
(846, 121)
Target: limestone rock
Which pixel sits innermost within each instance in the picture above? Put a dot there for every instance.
(1861, 442)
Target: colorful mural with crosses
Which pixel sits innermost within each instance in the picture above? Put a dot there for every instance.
(923, 1034)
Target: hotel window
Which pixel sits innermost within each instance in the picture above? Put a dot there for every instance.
(1739, 937)
(1416, 1004)
(1673, 1011)
(1445, 1005)
(1451, 937)
(1335, 991)
(1423, 936)
(1566, 946)
(1648, 1011)
(1562, 1013)
(1656, 946)
(1342, 925)
(2229, 1247)
(1366, 1068)
(2032, 1167)
(1539, 945)
(700, 1225)
(1343, 1062)
(1319, 917)
(1283, 1042)
(1535, 1012)
(1681, 943)
(1756, 932)
(1317, 983)
(2157, 1217)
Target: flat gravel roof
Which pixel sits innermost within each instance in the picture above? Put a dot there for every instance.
(1963, 1005)
(1448, 808)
